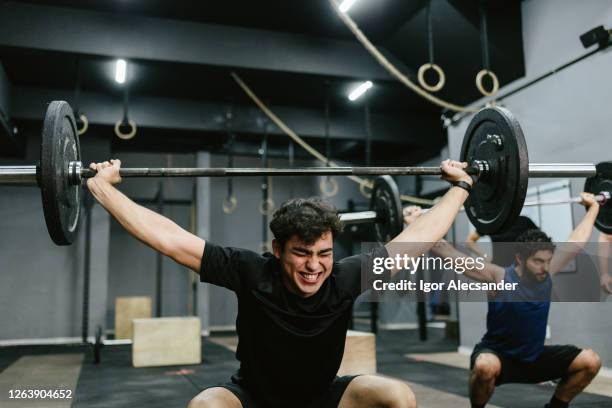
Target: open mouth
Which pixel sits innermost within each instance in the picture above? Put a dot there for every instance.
(541, 276)
(310, 278)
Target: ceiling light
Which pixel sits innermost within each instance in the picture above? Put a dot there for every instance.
(120, 70)
(346, 5)
(360, 90)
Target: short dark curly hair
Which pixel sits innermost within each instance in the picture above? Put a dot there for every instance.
(308, 218)
(532, 241)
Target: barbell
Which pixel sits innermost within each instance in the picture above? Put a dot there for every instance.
(602, 198)
(494, 148)
(385, 210)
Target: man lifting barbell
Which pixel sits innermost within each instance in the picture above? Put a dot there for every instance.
(513, 350)
(293, 306)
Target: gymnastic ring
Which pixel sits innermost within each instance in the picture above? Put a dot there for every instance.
(85, 124)
(362, 190)
(125, 136)
(229, 204)
(441, 77)
(479, 78)
(266, 207)
(328, 192)
(263, 247)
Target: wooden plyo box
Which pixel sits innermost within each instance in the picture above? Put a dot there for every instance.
(359, 354)
(166, 341)
(127, 309)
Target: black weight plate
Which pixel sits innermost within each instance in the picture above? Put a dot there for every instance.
(61, 200)
(496, 199)
(602, 182)
(385, 201)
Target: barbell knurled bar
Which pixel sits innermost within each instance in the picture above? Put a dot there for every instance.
(27, 175)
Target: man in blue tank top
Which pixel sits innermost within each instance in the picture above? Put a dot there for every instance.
(513, 350)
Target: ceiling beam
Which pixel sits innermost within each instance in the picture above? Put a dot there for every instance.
(404, 128)
(116, 35)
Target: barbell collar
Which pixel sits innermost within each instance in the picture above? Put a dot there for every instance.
(75, 171)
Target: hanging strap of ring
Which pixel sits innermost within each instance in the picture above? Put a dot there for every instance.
(484, 37)
(327, 138)
(431, 65)
(291, 156)
(486, 61)
(328, 186)
(328, 192)
(230, 202)
(368, 144)
(126, 120)
(266, 206)
(84, 125)
(77, 87)
(430, 39)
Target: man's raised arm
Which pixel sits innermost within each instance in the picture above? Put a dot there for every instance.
(155, 230)
(433, 225)
(490, 273)
(578, 237)
(604, 250)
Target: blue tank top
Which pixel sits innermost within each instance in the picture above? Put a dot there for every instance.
(516, 320)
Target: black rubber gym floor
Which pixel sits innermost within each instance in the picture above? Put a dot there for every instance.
(115, 383)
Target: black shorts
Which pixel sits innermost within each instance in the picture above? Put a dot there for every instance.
(551, 364)
(330, 399)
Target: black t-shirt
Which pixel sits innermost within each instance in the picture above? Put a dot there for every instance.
(290, 348)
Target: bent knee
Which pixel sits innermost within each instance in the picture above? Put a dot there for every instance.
(216, 397)
(486, 367)
(371, 390)
(399, 394)
(589, 361)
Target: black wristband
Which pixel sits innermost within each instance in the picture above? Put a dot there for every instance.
(462, 184)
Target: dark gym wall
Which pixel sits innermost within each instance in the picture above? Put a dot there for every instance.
(565, 119)
(5, 91)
